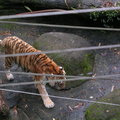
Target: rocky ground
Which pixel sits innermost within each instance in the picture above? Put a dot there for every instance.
(107, 63)
(31, 107)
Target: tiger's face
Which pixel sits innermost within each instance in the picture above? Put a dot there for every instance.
(58, 85)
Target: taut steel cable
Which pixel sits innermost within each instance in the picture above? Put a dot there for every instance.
(59, 13)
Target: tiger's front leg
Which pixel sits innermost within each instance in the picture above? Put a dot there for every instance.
(44, 94)
(9, 76)
(46, 100)
(8, 64)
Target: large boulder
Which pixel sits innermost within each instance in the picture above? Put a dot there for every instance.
(74, 63)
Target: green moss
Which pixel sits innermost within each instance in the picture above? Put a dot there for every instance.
(9, 26)
(1, 49)
(1, 7)
(74, 66)
(4, 113)
(36, 44)
(39, 45)
(105, 112)
(87, 63)
(102, 112)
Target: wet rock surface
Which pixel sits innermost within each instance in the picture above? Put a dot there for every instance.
(72, 4)
(107, 64)
(105, 112)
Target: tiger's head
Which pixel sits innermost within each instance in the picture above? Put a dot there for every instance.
(57, 70)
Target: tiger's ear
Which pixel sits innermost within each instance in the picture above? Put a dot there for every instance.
(61, 68)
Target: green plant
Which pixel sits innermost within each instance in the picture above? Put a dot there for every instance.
(105, 17)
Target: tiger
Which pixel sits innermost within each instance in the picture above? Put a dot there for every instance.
(37, 63)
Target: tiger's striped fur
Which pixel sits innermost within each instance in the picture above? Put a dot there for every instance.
(40, 63)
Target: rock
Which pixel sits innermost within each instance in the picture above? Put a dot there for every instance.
(106, 63)
(33, 108)
(72, 4)
(74, 63)
(4, 107)
(50, 4)
(60, 40)
(105, 112)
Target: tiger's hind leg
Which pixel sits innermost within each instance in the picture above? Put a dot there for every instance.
(8, 65)
(44, 94)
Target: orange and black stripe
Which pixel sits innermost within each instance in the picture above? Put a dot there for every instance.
(40, 63)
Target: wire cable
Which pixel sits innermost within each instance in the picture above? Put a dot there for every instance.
(62, 51)
(59, 13)
(38, 74)
(101, 77)
(61, 26)
(59, 97)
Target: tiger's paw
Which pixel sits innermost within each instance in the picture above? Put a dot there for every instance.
(10, 76)
(48, 103)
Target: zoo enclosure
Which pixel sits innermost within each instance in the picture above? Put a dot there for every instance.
(70, 77)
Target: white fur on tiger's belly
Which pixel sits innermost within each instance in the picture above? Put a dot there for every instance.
(9, 76)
